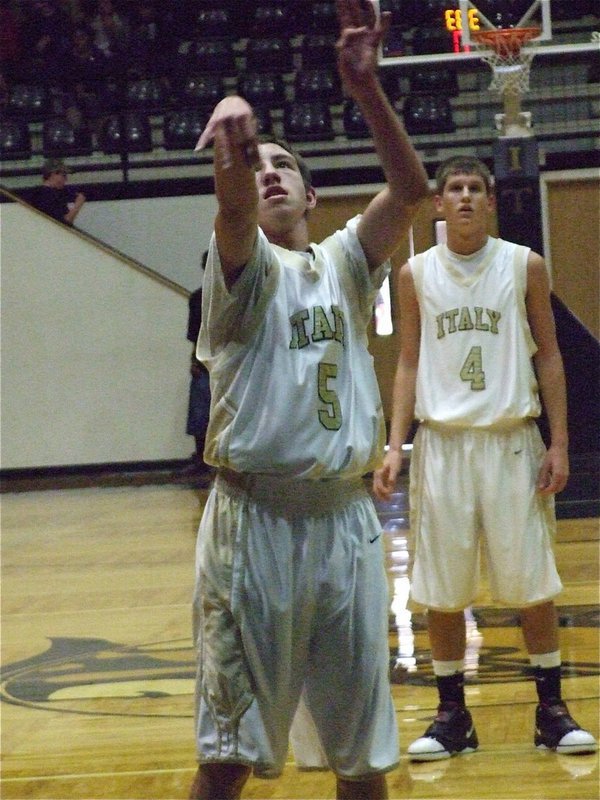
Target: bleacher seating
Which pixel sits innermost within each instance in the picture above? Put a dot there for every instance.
(62, 138)
(182, 128)
(30, 101)
(308, 121)
(428, 113)
(269, 54)
(265, 89)
(280, 55)
(318, 83)
(128, 132)
(15, 140)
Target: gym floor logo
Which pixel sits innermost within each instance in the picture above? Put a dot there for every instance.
(103, 678)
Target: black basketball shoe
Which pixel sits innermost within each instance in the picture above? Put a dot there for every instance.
(555, 729)
(452, 732)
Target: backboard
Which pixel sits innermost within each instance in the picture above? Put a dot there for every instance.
(440, 31)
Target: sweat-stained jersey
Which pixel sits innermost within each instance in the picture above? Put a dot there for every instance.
(293, 387)
(475, 367)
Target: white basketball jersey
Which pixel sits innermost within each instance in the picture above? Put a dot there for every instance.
(293, 387)
(475, 367)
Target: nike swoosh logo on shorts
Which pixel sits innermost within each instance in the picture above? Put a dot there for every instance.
(374, 539)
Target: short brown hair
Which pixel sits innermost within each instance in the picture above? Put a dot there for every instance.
(52, 165)
(462, 165)
(265, 138)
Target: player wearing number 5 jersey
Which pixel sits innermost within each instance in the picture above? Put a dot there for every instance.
(475, 320)
(291, 595)
(296, 391)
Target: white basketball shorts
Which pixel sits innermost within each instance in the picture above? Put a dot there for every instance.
(476, 489)
(291, 597)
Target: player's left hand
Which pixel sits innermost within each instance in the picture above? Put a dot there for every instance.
(361, 33)
(554, 472)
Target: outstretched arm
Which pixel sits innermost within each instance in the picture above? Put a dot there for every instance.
(403, 403)
(554, 470)
(232, 126)
(388, 215)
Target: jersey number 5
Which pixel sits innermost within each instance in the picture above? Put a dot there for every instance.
(472, 370)
(331, 416)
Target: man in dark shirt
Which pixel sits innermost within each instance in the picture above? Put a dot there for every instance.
(199, 400)
(53, 197)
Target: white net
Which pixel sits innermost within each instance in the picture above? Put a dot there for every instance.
(509, 76)
(510, 64)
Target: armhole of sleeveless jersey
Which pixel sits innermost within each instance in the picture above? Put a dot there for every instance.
(521, 255)
(417, 268)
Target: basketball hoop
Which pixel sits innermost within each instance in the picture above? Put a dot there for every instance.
(510, 64)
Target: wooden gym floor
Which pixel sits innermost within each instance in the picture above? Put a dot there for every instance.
(97, 663)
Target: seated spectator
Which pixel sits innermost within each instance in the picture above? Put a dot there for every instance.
(110, 31)
(53, 197)
(10, 40)
(85, 70)
(152, 45)
(47, 30)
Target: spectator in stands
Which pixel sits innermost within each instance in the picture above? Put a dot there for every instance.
(110, 30)
(48, 28)
(85, 69)
(53, 197)
(10, 40)
(151, 44)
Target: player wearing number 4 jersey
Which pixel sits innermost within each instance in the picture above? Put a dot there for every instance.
(475, 319)
(291, 595)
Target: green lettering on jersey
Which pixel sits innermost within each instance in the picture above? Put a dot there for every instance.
(338, 317)
(299, 336)
(321, 327)
(465, 323)
(480, 325)
(451, 317)
(440, 326)
(494, 319)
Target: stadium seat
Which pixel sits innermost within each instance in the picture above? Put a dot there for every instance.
(182, 128)
(355, 126)
(146, 94)
(429, 80)
(264, 119)
(269, 54)
(318, 84)
(60, 138)
(202, 89)
(29, 101)
(215, 21)
(318, 50)
(211, 55)
(263, 88)
(128, 132)
(15, 140)
(272, 19)
(428, 113)
(323, 17)
(308, 121)
(390, 80)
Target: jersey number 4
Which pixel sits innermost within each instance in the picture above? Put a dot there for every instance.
(330, 417)
(472, 370)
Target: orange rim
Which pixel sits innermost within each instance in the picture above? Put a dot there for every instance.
(506, 40)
